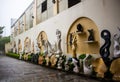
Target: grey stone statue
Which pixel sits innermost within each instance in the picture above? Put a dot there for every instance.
(58, 43)
(117, 45)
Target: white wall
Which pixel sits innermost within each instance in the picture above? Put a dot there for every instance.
(105, 13)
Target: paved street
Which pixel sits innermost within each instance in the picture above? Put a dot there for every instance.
(13, 70)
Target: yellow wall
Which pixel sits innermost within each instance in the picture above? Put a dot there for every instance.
(82, 46)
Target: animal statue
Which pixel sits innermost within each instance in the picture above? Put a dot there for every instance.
(115, 69)
(104, 50)
(91, 35)
(79, 28)
(99, 67)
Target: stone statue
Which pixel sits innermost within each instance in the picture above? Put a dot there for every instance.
(58, 35)
(74, 45)
(91, 35)
(117, 45)
(20, 49)
(99, 67)
(104, 50)
(87, 64)
(115, 69)
(43, 44)
(60, 61)
(75, 63)
(79, 28)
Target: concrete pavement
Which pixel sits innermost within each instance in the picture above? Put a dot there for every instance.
(13, 70)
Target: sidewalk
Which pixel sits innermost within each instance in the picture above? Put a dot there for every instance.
(13, 70)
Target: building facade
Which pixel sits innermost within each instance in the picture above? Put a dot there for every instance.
(45, 16)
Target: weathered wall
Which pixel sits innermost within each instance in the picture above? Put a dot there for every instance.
(104, 13)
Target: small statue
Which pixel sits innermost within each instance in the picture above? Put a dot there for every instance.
(115, 69)
(47, 60)
(53, 60)
(67, 66)
(99, 67)
(104, 50)
(91, 35)
(58, 35)
(79, 28)
(74, 46)
(87, 64)
(116, 46)
(75, 63)
(20, 49)
(60, 61)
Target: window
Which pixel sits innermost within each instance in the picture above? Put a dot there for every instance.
(44, 6)
(72, 2)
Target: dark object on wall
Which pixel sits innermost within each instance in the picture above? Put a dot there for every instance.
(79, 28)
(44, 6)
(104, 50)
(91, 35)
(71, 38)
(34, 58)
(54, 1)
(72, 2)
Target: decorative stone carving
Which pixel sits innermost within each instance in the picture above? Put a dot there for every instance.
(115, 69)
(104, 50)
(53, 60)
(87, 64)
(27, 45)
(117, 45)
(20, 49)
(74, 45)
(99, 67)
(43, 42)
(60, 61)
(79, 28)
(91, 35)
(47, 60)
(75, 63)
(59, 50)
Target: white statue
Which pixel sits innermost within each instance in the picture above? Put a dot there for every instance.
(116, 46)
(58, 35)
(76, 68)
(87, 66)
(60, 61)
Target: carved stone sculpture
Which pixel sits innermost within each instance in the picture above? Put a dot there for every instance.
(47, 60)
(20, 49)
(115, 69)
(75, 63)
(87, 64)
(43, 43)
(58, 35)
(79, 28)
(53, 60)
(99, 67)
(104, 50)
(74, 46)
(91, 35)
(117, 45)
(60, 61)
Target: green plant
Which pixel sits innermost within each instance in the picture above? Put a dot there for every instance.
(13, 55)
(82, 56)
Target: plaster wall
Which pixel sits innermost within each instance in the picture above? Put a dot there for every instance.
(104, 13)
